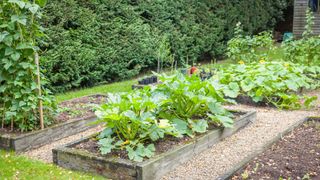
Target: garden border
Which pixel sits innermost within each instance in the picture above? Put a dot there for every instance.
(31, 140)
(34, 139)
(154, 168)
(266, 146)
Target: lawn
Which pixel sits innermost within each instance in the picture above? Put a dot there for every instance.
(18, 167)
(123, 86)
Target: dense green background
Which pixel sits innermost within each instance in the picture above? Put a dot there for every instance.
(96, 41)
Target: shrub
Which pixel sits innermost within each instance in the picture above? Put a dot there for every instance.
(100, 41)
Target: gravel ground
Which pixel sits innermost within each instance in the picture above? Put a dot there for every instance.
(44, 153)
(220, 159)
(223, 156)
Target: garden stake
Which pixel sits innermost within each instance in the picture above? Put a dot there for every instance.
(39, 90)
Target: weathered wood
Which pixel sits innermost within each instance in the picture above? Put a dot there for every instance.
(154, 168)
(35, 139)
(299, 19)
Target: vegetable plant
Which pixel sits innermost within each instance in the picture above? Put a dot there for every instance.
(190, 102)
(18, 88)
(180, 106)
(305, 50)
(277, 83)
(131, 121)
(249, 48)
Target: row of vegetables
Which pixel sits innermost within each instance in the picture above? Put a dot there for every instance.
(186, 105)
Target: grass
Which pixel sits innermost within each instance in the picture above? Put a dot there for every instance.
(123, 86)
(18, 167)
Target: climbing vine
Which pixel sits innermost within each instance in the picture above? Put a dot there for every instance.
(19, 91)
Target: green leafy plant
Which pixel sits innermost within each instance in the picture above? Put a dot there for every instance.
(306, 50)
(249, 48)
(191, 102)
(130, 122)
(179, 106)
(277, 83)
(18, 88)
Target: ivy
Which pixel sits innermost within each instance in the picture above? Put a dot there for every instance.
(19, 92)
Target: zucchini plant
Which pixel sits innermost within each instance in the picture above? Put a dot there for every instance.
(278, 83)
(179, 106)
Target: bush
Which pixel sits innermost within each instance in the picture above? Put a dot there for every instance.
(99, 41)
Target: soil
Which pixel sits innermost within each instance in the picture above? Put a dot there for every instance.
(75, 109)
(79, 108)
(163, 145)
(296, 156)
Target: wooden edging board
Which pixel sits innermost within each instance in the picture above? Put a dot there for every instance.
(241, 164)
(23, 142)
(154, 168)
(31, 140)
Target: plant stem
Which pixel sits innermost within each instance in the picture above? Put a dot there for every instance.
(11, 124)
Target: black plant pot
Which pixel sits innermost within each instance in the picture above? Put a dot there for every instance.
(154, 79)
(146, 81)
(140, 82)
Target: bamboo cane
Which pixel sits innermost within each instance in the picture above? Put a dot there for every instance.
(39, 90)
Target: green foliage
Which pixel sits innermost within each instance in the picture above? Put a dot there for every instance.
(18, 89)
(276, 83)
(191, 100)
(131, 119)
(249, 48)
(108, 40)
(180, 106)
(305, 50)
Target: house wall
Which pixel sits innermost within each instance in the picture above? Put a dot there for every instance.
(299, 19)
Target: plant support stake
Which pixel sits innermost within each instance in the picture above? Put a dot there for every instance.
(39, 90)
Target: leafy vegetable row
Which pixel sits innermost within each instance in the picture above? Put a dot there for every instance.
(277, 83)
(179, 106)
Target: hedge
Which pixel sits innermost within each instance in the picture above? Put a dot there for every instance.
(98, 41)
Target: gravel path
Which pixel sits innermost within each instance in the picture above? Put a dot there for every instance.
(224, 155)
(44, 153)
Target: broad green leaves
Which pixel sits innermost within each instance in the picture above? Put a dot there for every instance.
(274, 83)
(179, 106)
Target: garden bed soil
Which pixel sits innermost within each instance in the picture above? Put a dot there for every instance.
(296, 156)
(79, 108)
(74, 117)
(161, 146)
(84, 155)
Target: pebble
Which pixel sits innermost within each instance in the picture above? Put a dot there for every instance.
(220, 158)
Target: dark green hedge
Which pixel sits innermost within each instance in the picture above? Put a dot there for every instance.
(100, 41)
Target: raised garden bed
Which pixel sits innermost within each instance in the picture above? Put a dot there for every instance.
(76, 156)
(74, 117)
(293, 154)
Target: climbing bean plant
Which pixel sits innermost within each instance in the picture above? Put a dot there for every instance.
(19, 97)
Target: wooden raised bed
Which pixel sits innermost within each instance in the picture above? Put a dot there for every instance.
(257, 152)
(154, 168)
(20, 142)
